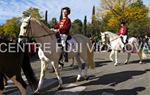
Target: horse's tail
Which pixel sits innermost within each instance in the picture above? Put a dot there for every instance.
(90, 59)
(28, 71)
(140, 47)
(144, 52)
(86, 50)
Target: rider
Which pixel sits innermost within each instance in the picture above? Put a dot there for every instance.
(63, 28)
(123, 33)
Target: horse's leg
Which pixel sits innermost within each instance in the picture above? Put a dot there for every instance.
(28, 71)
(85, 71)
(110, 56)
(127, 60)
(72, 64)
(42, 74)
(116, 58)
(61, 62)
(20, 83)
(140, 56)
(80, 67)
(57, 72)
(5, 80)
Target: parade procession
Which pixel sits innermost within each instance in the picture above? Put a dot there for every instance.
(74, 47)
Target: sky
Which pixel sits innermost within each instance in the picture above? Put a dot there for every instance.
(79, 8)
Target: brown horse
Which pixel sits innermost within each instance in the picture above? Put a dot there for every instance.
(11, 64)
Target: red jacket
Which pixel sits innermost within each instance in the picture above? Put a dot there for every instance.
(123, 30)
(64, 26)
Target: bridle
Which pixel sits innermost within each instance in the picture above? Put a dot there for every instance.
(110, 40)
(30, 32)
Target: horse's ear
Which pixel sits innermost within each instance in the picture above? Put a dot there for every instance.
(102, 33)
(28, 18)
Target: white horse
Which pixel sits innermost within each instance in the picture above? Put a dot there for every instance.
(33, 28)
(116, 45)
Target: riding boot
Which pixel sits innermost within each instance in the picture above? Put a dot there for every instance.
(59, 42)
(66, 54)
(66, 57)
(61, 58)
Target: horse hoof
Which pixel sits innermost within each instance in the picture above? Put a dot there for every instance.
(36, 93)
(61, 64)
(111, 60)
(81, 79)
(86, 78)
(60, 88)
(71, 65)
(126, 63)
(77, 80)
(115, 64)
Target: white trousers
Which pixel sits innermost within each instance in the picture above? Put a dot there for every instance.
(63, 39)
(124, 38)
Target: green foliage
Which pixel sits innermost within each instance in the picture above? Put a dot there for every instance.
(94, 28)
(12, 27)
(53, 22)
(46, 16)
(76, 27)
(1, 30)
(85, 25)
(135, 14)
(34, 12)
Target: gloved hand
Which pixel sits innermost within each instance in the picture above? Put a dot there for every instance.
(54, 30)
(120, 35)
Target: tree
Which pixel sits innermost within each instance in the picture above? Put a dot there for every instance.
(135, 13)
(61, 15)
(34, 12)
(85, 25)
(76, 27)
(116, 7)
(93, 15)
(46, 15)
(53, 22)
(12, 27)
(1, 30)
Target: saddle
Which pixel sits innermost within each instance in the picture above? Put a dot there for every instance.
(69, 41)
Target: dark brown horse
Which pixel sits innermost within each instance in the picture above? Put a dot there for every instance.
(11, 64)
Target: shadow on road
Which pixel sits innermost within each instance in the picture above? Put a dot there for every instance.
(137, 61)
(115, 78)
(101, 63)
(133, 91)
(112, 79)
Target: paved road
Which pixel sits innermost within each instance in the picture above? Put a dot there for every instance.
(130, 79)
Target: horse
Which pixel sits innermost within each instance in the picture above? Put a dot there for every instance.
(32, 28)
(116, 44)
(11, 63)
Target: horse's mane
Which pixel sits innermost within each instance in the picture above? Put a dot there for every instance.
(40, 23)
(110, 33)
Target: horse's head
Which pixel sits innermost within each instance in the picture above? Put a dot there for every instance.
(104, 38)
(33, 28)
(24, 26)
